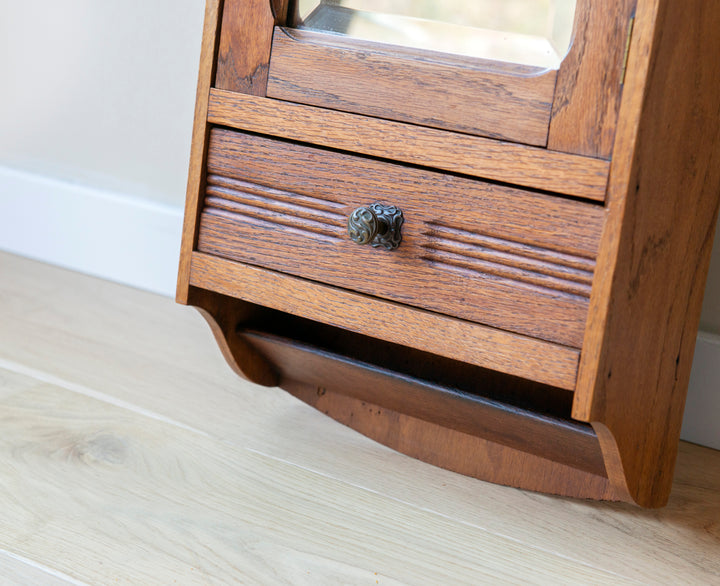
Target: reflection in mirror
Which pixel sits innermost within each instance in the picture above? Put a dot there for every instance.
(530, 32)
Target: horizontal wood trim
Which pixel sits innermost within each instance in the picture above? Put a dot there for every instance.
(373, 79)
(503, 351)
(449, 151)
(559, 440)
(508, 258)
(469, 455)
(322, 37)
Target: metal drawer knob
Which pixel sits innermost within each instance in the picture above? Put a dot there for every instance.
(377, 225)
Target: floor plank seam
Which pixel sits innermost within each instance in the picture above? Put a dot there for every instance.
(443, 515)
(43, 568)
(44, 377)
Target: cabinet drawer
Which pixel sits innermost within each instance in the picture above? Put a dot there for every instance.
(509, 258)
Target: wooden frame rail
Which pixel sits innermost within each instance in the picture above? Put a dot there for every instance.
(505, 162)
(469, 342)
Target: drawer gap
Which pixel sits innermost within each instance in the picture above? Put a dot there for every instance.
(463, 377)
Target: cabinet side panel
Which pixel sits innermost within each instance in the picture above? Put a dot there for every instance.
(199, 146)
(663, 202)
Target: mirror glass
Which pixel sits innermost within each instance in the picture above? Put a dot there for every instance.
(530, 32)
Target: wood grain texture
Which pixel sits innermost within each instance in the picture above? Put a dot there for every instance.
(245, 41)
(198, 149)
(472, 455)
(662, 209)
(280, 10)
(589, 82)
(461, 340)
(504, 257)
(211, 459)
(429, 147)
(223, 318)
(551, 438)
(424, 88)
(525, 264)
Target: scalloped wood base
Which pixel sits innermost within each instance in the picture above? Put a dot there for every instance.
(453, 450)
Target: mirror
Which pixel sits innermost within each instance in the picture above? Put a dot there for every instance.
(529, 32)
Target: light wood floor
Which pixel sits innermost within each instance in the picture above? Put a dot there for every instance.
(130, 454)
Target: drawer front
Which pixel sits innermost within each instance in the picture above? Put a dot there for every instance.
(505, 257)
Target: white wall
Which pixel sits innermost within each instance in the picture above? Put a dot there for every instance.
(96, 107)
(96, 111)
(100, 92)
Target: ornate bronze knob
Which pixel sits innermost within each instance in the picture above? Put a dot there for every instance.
(377, 225)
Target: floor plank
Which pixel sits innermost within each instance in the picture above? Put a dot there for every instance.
(94, 487)
(139, 354)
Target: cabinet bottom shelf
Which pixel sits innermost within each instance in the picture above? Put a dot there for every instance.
(460, 452)
(468, 434)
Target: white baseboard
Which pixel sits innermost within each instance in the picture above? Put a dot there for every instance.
(136, 242)
(701, 424)
(121, 238)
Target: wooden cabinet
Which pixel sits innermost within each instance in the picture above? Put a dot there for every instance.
(536, 324)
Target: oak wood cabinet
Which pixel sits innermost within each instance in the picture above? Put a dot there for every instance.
(536, 324)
